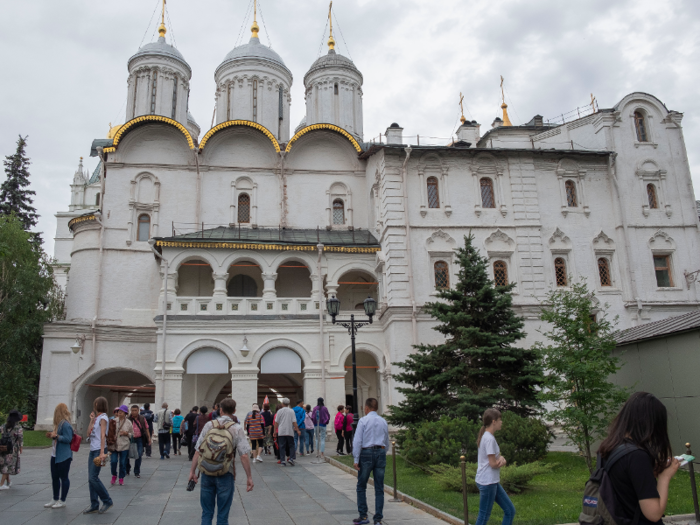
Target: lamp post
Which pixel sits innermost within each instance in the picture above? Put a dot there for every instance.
(333, 306)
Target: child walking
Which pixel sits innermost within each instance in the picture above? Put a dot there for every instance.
(488, 473)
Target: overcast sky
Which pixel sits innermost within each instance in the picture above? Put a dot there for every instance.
(64, 70)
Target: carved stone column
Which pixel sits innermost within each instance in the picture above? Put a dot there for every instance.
(269, 290)
(220, 285)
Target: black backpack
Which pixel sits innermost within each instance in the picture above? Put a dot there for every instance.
(598, 496)
(6, 442)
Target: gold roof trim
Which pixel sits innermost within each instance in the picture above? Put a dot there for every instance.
(150, 118)
(266, 246)
(247, 123)
(78, 220)
(331, 127)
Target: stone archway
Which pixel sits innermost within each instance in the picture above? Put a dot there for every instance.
(207, 378)
(368, 381)
(280, 375)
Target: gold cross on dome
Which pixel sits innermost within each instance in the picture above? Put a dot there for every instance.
(461, 105)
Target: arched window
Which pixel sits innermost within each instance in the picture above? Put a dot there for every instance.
(433, 193)
(604, 272)
(571, 199)
(338, 212)
(500, 273)
(242, 286)
(641, 126)
(97, 199)
(244, 208)
(144, 228)
(560, 271)
(651, 195)
(442, 275)
(487, 200)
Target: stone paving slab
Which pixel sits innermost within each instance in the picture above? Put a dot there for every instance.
(308, 494)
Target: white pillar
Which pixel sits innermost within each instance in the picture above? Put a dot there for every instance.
(244, 390)
(220, 285)
(269, 291)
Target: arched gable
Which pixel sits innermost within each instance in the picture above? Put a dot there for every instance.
(281, 343)
(322, 150)
(137, 122)
(317, 127)
(232, 355)
(240, 123)
(240, 146)
(644, 101)
(153, 143)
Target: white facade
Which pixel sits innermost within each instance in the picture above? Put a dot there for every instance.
(232, 302)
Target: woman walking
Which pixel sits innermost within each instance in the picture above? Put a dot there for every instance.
(347, 428)
(488, 473)
(267, 417)
(255, 425)
(321, 417)
(97, 435)
(643, 464)
(12, 436)
(120, 451)
(339, 425)
(61, 455)
(141, 437)
(190, 420)
(309, 431)
(177, 424)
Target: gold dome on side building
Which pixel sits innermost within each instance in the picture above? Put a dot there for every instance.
(113, 130)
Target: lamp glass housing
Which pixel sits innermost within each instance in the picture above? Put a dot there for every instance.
(370, 306)
(333, 306)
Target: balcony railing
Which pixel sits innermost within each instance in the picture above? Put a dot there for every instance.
(242, 306)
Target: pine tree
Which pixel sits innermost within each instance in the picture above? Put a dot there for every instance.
(14, 195)
(477, 367)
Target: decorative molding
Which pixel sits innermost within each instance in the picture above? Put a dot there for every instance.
(499, 244)
(661, 242)
(559, 242)
(247, 123)
(151, 118)
(440, 235)
(314, 127)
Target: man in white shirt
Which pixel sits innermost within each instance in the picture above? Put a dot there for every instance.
(164, 418)
(369, 450)
(217, 491)
(285, 427)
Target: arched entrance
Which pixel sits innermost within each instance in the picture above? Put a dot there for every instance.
(118, 386)
(207, 379)
(367, 380)
(280, 376)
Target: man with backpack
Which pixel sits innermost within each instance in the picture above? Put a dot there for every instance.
(165, 419)
(148, 415)
(217, 469)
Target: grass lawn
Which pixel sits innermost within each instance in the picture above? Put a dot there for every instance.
(36, 438)
(553, 498)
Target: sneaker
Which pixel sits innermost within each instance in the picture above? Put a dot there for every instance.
(107, 506)
(260, 459)
(283, 463)
(291, 462)
(91, 510)
(50, 503)
(360, 521)
(59, 505)
(4, 487)
(121, 482)
(114, 480)
(138, 475)
(167, 456)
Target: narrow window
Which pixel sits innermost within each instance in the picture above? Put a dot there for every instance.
(442, 275)
(335, 88)
(255, 100)
(281, 103)
(604, 272)
(228, 101)
(433, 193)
(97, 199)
(641, 127)
(662, 267)
(338, 212)
(174, 96)
(571, 199)
(487, 200)
(153, 92)
(136, 92)
(560, 271)
(651, 195)
(244, 208)
(500, 273)
(144, 229)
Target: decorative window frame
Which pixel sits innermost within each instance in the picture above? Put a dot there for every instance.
(604, 248)
(137, 208)
(433, 167)
(569, 170)
(648, 122)
(493, 170)
(561, 246)
(662, 244)
(244, 185)
(648, 172)
(440, 246)
(501, 247)
(338, 190)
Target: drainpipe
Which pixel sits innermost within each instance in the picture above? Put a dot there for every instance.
(320, 321)
(414, 321)
(198, 208)
(612, 173)
(151, 243)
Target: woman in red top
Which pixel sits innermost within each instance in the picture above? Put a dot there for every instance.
(347, 430)
(339, 426)
(255, 425)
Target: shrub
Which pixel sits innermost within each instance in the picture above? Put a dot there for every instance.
(522, 439)
(514, 478)
(436, 442)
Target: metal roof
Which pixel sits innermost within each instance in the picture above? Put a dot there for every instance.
(672, 325)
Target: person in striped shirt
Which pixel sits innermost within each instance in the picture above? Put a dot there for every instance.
(255, 425)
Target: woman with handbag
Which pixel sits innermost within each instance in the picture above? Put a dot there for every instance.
(122, 443)
(97, 430)
(141, 437)
(11, 445)
(61, 455)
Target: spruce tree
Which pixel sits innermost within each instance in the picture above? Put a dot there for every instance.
(14, 195)
(478, 366)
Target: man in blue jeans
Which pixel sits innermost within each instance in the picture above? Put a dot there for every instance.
(300, 414)
(217, 491)
(369, 450)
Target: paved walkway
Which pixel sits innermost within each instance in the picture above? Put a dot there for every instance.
(307, 494)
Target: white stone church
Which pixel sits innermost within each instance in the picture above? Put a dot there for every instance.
(254, 223)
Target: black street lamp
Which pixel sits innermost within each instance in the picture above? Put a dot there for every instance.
(333, 306)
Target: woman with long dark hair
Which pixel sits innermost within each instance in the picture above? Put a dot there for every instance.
(12, 436)
(320, 416)
(640, 478)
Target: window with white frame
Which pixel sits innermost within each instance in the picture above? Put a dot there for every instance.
(640, 126)
(662, 270)
(560, 275)
(442, 275)
(433, 193)
(500, 273)
(487, 197)
(338, 212)
(604, 271)
(244, 208)
(144, 228)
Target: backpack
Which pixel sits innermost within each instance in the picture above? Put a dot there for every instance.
(6, 442)
(598, 496)
(217, 451)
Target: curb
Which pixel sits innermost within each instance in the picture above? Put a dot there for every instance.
(402, 497)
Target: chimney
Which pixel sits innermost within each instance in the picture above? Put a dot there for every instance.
(497, 123)
(394, 134)
(538, 120)
(469, 132)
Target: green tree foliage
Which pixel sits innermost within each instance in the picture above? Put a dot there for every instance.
(523, 439)
(514, 478)
(15, 198)
(578, 364)
(478, 366)
(29, 297)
